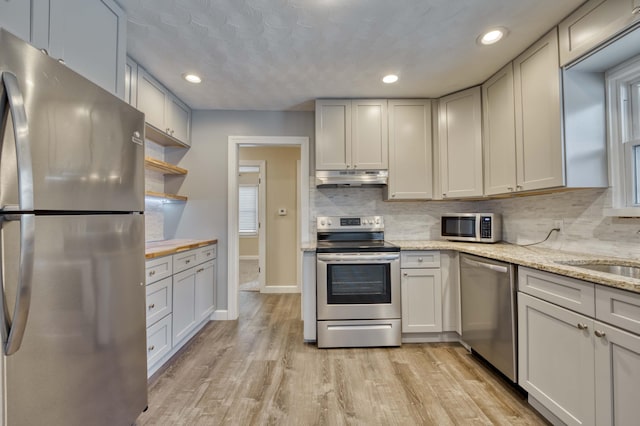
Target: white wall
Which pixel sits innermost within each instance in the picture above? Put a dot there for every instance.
(205, 214)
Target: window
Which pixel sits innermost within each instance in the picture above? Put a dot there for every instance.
(248, 209)
(623, 86)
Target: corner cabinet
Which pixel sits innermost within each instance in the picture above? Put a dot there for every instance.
(410, 150)
(180, 300)
(460, 144)
(168, 118)
(591, 333)
(351, 134)
(593, 24)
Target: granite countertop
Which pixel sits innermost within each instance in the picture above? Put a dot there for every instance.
(533, 257)
(155, 249)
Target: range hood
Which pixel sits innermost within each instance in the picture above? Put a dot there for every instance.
(333, 178)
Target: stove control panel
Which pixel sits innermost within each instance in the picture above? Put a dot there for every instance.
(350, 223)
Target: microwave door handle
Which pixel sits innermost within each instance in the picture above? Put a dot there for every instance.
(13, 328)
(495, 268)
(10, 93)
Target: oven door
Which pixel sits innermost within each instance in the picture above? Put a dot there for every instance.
(358, 286)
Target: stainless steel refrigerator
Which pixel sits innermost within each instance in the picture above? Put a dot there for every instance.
(72, 246)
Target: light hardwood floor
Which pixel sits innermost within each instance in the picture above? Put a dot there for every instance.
(257, 370)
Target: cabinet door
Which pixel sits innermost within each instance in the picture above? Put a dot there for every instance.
(159, 300)
(593, 24)
(158, 341)
(499, 136)
(205, 290)
(15, 17)
(369, 134)
(152, 98)
(410, 150)
(131, 82)
(179, 116)
(617, 376)
(90, 36)
(184, 304)
(556, 359)
(333, 134)
(421, 295)
(539, 141)
(460, 133)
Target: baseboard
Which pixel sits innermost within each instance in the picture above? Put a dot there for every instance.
(447, 336)
(249, 257)
(220, 315)
(280, 289)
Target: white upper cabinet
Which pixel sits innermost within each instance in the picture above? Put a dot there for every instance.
(351, 134)
(15, 17)
(410, 150)
(169, 117)
(499, 136)
(593, 24)
(460, 140)
(131, 82)
(90, 37)
(539, 143)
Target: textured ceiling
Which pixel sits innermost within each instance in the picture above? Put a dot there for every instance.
(282, 54)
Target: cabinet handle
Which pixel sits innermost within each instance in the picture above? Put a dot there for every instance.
(599, 333)
(635, 10)
(582, 326)
(187, 261)
(405, 274)
(518, 187)
(393, 195)
(152, 273)
(172, 132)
(348, 166)
(151, 348)
(61, 61)
(44, 51)
(167, 130)
(420, 259)
(200, 270)
(510, 188)
(151, 306)
(444, 195)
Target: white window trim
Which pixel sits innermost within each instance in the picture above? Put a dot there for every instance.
(620, 172)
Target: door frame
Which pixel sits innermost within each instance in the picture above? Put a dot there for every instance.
(233, 254)
(262, 223)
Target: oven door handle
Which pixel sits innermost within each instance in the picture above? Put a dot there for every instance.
(358, 258)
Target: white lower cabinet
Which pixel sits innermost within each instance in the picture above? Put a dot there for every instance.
(581, 369)
(421, 292)
(180, 300)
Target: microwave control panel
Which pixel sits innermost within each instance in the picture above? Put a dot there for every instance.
(485, 227)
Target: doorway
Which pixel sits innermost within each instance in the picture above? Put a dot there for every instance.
(252, 224)
(235, 143)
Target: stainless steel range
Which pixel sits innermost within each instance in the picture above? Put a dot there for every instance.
(358, 283)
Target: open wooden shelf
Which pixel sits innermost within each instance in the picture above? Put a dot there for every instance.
(160, 137)
(163, 196)
(162, 167)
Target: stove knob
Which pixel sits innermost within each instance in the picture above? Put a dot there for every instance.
(330, 223)
(322, 223)
(378, 221)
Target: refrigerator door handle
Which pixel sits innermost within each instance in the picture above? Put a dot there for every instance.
(13, 328)
(12, 94)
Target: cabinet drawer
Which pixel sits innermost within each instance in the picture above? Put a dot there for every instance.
(206, 253)
(158, 340)
(159, 300)
(420, 259)
(577, 295)
(618, 307)
(157, 269)
(185, 260)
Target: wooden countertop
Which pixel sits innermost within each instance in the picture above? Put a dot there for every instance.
(162, 248)
(533, 257)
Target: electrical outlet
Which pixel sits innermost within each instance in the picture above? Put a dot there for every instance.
(558, 224)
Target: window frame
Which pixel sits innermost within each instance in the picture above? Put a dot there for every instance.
(249, 233)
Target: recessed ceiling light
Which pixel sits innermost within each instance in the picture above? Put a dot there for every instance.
(192, 78)
(492, 36)
(391, 78)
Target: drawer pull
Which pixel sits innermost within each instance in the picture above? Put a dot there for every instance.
(187, 261)
(151, 348)
(200, 270)
(582, 326)
(152, 273)
(151, 306)
(636, 10)
(420, 259)
(599, 333)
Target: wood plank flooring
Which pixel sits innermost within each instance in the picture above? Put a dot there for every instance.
(258, 371)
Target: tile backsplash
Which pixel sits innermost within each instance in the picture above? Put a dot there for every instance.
(525, 219)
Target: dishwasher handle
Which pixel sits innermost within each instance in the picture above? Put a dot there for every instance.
(491, 266)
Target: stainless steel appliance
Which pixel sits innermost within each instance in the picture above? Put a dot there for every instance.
(488, 296)
(72, 228)
(334, 178)
(358, 283)
(471, 227)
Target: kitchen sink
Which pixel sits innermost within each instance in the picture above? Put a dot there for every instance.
(610, 267)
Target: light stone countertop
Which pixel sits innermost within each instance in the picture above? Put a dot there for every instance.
(154, 249)
(533, 257)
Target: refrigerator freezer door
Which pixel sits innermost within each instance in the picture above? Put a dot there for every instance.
(83, 355)
(86, 144)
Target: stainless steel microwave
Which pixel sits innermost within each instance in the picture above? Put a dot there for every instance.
(472, 227)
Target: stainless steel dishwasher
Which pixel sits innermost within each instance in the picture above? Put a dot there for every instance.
(488, 296)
